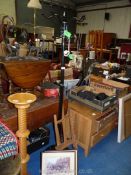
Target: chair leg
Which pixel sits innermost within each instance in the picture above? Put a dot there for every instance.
(110, 56)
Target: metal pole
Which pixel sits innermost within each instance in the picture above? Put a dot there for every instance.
(62, 69)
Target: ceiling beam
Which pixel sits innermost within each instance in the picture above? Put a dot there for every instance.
(92, 2)
(69, 4)
(105, 8)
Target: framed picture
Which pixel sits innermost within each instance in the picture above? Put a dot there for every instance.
(124, 118)
(59, 162)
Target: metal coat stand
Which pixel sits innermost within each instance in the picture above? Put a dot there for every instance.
(61, 96)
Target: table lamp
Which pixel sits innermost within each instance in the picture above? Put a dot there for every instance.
(35, 4)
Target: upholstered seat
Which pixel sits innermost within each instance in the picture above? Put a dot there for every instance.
(10, 166)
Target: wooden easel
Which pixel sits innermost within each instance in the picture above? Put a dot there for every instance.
(66, 127)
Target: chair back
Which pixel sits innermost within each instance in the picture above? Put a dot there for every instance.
(92, 38)
(99, 39)
(96, 38)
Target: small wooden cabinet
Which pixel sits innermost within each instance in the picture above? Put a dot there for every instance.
(108, 39)
(90, 125)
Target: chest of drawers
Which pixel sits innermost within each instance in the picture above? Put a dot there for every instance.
(90, 125)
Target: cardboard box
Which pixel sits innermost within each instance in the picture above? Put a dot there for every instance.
(96, 88)
(54, 75)
(121, 88)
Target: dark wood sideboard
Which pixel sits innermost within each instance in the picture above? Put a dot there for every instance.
(41, 112)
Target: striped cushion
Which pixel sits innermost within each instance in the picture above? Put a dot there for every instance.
(8, 142)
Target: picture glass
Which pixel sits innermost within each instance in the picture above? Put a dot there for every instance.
(59, 163)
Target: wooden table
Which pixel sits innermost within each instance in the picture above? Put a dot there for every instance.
(40, 113)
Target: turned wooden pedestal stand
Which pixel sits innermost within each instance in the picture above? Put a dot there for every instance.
(22, 101)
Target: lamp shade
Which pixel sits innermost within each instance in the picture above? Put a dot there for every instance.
(34, 4)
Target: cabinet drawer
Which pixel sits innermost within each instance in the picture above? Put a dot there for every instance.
(105, 119)
(102, 133)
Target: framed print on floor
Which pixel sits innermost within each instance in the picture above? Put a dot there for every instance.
(59, 162)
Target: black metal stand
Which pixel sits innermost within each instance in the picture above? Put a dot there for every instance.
(61, 85)
(61, 96)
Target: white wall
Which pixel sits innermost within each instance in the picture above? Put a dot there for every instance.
(119, 23)
(7, 7)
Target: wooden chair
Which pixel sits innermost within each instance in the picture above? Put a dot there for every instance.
(92, 39)
(101, 49)
(96, 38)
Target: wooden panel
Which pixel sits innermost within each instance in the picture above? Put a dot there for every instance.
(83, 130)
(83, 126)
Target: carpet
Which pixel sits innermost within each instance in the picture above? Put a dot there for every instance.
(106, 158)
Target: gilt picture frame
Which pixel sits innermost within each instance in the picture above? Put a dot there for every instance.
(59, 162)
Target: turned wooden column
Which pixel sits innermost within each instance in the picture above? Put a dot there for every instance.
(22, 101)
